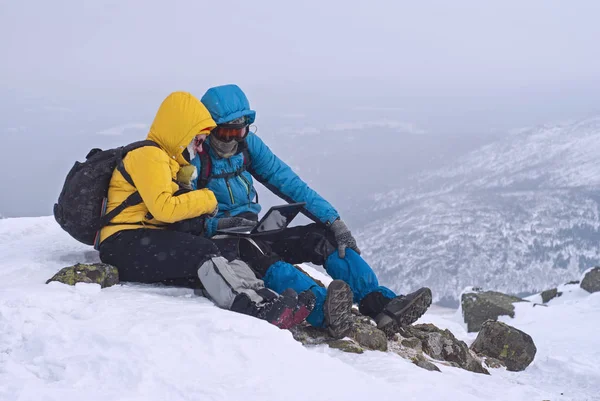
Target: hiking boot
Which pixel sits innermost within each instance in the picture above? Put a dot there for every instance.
(279, 311)
(337, 309)
(404, 310)
(305, 305)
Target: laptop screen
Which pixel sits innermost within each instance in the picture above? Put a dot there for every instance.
(277, 218)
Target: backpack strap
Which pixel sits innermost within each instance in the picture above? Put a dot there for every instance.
(137, 145)
(248, 162)
(127, 149)
(205, 167)
(246, 154)
(133, 199)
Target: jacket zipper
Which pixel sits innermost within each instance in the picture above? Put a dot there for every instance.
(245, 183)
(230, 191)
(229, 186)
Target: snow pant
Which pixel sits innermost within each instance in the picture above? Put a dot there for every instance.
(171, 257)
(314, 243)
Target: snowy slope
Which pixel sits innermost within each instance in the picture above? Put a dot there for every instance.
(139, 342)
(519, 215)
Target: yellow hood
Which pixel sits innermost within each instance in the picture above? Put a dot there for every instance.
(179, 119)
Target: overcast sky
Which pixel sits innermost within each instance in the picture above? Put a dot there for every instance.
(429, 45)
(71, 69)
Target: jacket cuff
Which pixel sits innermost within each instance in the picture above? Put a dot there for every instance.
(332, 219)
(211, 227)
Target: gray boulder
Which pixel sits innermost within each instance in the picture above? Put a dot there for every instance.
(479, 306)
(423, 363)
(346, 346)
(410, 343)
(511, 346)
(98, 273)
(443, 346)
(493, 363)
(362, 336)
(549, 295)
(368, 335)
(591, 281)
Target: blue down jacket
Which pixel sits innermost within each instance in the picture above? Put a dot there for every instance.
(237, 194)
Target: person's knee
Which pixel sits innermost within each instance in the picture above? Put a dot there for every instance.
(262, 263)
(282, 275)
(258, 255)
(355, 271)
(217, 281)
(209, 247)
(319, 246)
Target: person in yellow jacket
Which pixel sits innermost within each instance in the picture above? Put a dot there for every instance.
(160, 239)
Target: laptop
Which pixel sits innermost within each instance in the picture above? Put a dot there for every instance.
(276, 219)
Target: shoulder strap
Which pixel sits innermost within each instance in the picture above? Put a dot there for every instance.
(205, 167)
(128, 148)
(137, 145)
(133, 199)
(244, 150)
(248, 161)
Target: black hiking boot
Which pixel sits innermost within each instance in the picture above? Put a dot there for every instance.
(337, 309)
(305, 305)
(404, 310)
(279, 311)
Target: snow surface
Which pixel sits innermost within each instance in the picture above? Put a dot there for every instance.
(140, 342)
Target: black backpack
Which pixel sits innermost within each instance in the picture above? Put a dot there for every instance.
(82, 201)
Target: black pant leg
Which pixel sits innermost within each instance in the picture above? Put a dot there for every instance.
(311, 243)
(258, 255)
(151, 256)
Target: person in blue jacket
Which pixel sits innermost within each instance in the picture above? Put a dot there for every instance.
(237, 157)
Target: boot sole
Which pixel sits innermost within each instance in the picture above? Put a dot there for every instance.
(337, 309)
(411, 312)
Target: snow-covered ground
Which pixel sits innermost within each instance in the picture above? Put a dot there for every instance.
(136, 342)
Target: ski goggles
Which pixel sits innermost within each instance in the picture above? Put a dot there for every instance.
(231, 132)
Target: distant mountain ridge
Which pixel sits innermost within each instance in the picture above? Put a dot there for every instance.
(518, 215)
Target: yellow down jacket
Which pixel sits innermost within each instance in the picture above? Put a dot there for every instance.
(153, 170)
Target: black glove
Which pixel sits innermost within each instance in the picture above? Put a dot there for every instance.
(343, 237)
(194, 226)
(229, 222)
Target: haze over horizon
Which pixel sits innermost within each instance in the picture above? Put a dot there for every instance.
(79, 74)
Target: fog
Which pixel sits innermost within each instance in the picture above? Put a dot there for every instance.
(356, 96)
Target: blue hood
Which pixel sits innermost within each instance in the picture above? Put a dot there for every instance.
(226, 103)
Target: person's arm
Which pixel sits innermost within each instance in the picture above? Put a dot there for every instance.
(281, 179)
(150, 171)
(285, 183)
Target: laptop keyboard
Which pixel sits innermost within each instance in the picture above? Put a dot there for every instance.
(241, 230)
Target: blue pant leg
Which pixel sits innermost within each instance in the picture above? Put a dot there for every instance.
(281, 276)
(355, 271)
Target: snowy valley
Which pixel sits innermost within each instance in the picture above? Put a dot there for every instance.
(518, 215)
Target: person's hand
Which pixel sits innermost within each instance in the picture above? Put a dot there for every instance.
(214, 212)
(343, 237)
(230, 222)
(186, 175)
